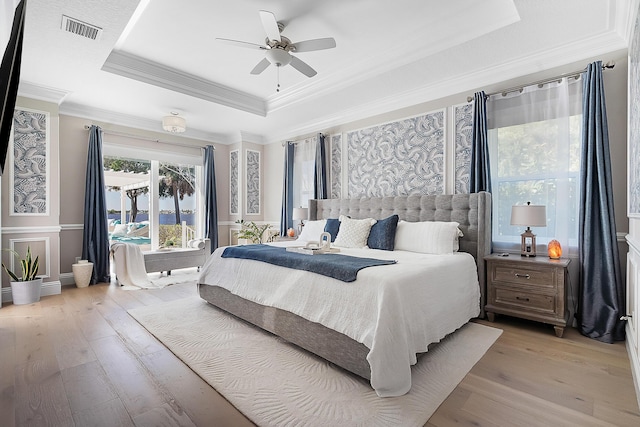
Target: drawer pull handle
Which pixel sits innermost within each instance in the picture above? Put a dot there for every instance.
(522, 299)
(526, 276)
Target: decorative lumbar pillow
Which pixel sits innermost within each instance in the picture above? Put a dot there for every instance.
(428, 237)
(119, 230)
(353, 233)
(312, 230)
(332, 227)
(383, 234)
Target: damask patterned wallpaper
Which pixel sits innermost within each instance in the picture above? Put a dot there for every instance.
(234, 184)
(29, 174)
(336, 166)
(464, 137)
(253, 182)
(634, 124)
(398, 158)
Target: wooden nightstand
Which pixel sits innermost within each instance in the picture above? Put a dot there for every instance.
(530, 288)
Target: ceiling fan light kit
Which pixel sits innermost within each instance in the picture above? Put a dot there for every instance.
(278, 57)
(174, 123)
(278, 48)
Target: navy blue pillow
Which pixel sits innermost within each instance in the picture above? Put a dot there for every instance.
(332, 226)
(383, 234)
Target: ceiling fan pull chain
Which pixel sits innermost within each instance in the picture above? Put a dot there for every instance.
(278, 73)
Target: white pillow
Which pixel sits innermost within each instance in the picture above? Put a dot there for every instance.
(353, 233)
(119, 230)
(312, 230)
(428, 237)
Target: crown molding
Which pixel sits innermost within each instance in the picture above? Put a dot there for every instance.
(143, 70)
(608, 43)
(90, 113)
(415, 49)
(625, 18)
(251, 137)
(42, 93)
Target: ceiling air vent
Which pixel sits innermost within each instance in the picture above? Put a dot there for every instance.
(80, 28)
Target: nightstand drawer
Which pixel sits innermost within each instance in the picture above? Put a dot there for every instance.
(543, 277)
(514, 298)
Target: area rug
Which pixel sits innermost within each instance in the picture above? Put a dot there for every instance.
(162, 279)
(275, 383)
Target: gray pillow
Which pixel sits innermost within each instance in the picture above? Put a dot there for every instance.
(383, 234)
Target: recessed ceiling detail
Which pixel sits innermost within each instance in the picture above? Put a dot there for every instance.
(146, 71)
(159, 54)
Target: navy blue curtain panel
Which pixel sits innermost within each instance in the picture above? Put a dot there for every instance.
(602, 293)
(480, 179)
(286, 214)
(9, 78)
(95, 238)
(210, 198)
(320, 174)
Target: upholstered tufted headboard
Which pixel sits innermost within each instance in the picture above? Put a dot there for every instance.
(471, 211)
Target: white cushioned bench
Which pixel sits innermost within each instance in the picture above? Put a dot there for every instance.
(173, 259)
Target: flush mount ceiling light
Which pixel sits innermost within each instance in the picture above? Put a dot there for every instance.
(174, 123)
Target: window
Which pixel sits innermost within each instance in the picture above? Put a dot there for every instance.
(304, 172)
(167, 213)
(534, 143)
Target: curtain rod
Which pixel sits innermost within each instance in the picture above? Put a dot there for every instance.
(146, 138)
(608, 65)
(300, 140)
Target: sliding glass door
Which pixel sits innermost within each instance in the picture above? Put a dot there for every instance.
(154, 202)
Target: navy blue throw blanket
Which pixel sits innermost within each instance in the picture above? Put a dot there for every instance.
(341, 267)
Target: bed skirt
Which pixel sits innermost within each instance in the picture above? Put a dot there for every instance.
(311, 336)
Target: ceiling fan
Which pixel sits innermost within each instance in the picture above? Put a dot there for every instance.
(279, 48)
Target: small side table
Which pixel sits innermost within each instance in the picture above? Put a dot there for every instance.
(530, 288)
(82, 273)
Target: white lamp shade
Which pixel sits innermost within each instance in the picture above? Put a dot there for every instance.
(529, 215)
(174, 124)
(300, 213)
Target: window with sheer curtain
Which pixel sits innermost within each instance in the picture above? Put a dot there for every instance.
(303, 172)
(534, 143)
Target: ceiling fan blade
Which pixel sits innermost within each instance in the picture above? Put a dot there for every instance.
(270, 25)
(261, 66)
(302, 66)
(315, 44)
(242, 44)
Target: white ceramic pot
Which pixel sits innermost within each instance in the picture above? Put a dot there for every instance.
(26, 292)
(82, 272)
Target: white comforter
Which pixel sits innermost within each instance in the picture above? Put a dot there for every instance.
(395, 310)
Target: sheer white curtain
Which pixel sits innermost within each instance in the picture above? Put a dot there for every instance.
(303, 171)
(534, 143)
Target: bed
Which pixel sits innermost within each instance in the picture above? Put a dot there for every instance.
(376, 338)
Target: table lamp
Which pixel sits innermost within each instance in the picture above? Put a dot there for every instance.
(300, 214)
(530, 216)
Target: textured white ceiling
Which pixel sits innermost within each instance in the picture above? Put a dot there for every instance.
(388, 56)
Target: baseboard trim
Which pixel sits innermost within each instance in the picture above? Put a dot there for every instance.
(67, 279)
(635, 363)
(48, 288)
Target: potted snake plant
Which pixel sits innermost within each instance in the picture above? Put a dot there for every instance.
(26, 287)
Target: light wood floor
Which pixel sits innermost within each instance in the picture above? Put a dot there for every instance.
(78, 359)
